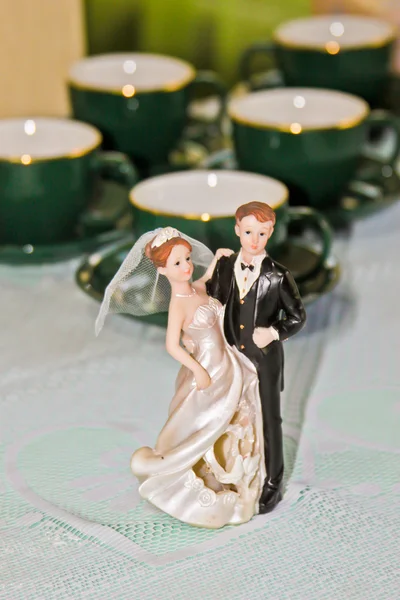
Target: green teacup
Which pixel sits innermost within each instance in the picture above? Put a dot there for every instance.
(49, 171)
(342, 52)
(202, 204)
(310, 139)
(138, 101)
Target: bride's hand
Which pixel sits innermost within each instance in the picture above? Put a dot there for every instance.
(223, 252)
(210, 270)
(202, 378)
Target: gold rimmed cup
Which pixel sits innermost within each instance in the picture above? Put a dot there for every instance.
(343, 52)
(202, 204)
(139, 101)
(49, 172)
(311, 139)
(335, 33)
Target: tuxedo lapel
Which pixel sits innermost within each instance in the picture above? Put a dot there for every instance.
(230, 275)
(263, 284)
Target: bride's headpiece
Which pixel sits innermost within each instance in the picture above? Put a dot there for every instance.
(137, 288)
(165, 235)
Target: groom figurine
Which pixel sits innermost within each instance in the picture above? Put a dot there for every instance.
(263, 308)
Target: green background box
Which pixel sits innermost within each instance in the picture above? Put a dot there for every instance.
(209, 33)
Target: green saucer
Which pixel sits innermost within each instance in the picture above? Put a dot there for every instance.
(112, 204)
(97, 270)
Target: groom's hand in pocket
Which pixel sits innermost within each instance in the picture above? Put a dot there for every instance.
(263, 336)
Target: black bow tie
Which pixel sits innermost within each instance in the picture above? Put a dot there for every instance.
(250, 267)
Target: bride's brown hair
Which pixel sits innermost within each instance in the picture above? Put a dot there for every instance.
(160, 254)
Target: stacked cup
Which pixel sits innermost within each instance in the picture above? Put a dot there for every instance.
(307, 121)
(64, 183)
(139, 102)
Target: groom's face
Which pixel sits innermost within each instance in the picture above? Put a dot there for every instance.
(253, 234)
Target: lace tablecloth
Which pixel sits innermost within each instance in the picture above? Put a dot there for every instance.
(73, 408)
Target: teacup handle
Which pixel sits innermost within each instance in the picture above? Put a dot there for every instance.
(117, 167)
(310, 218)
(384, 118)
(245, 70)
(368, 185)
(217, 86)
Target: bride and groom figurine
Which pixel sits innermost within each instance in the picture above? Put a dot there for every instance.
(218, 460)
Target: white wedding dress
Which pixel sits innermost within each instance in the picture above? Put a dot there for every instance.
(207, 468)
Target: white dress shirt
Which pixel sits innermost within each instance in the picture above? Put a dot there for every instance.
(246, 278)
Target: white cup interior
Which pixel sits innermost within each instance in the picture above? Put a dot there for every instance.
(41, 138)
(206, 194)
(344, 30)
(137, 71)
(298, 109)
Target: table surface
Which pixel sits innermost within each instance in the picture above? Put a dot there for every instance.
(73, 408)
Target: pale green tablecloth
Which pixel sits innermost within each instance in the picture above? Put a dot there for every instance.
(73, 408)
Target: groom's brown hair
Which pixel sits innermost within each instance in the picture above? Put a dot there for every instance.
(260, 210)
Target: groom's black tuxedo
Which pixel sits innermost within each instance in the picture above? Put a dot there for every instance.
(273, 300)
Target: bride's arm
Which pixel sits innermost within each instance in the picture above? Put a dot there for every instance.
(176, 318)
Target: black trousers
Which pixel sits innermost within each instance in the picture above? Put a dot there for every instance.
(270, 376)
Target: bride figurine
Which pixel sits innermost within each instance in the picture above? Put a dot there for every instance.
(207, 467)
